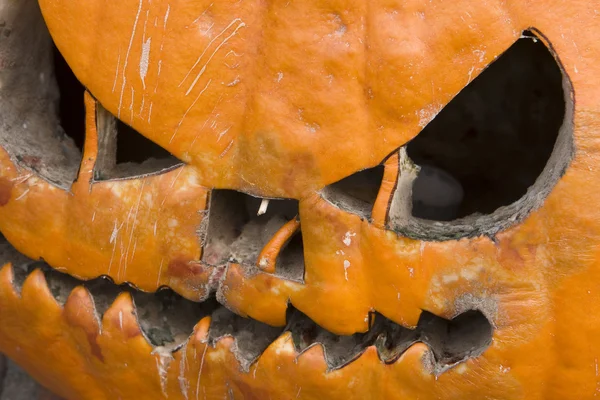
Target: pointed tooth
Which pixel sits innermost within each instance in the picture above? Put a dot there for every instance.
(313, 358)
(6, 281)
(201, 330)
(120, 320)
(35, 290)
(79, 312)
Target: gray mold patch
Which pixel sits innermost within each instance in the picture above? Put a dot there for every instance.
(168, 319)
(251, 337)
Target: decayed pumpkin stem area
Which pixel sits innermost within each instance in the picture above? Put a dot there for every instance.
(299, 199)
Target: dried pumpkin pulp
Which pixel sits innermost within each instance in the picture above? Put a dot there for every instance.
(301, 199)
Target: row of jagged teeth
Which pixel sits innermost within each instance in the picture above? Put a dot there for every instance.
(166, 320)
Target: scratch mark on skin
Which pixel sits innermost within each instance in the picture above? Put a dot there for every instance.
(159, 271)
(223, 133)
(167, 16)
(121, 319)
(171, 187)
(143, 102)
(346, 266)
(116, 73)
(22, 194)
(162, 365)
(232, 52)
(122, 246)
(205, 122)
(137, 17)
(131, 104)
(203, 69)
(113, 239)
(200, 371)
(150, 112)
(226, 149)
(19, 180)
(133, 251)
(298, 394)
(145, 61)
(184, 385)
(162, 43)
(203, 14)
(188, 110)
(208, 46)
(137, 207)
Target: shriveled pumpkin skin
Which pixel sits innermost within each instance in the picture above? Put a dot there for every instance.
(280, 99)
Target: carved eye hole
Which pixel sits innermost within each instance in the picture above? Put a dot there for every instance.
(485, 161)
(493, 154)
(42, 115)
(490, 144)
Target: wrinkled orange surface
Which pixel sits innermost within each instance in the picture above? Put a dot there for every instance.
(279, 99)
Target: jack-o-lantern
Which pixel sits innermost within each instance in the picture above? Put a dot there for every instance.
(301, 199)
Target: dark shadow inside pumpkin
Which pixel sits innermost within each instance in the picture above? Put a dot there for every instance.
(240, 226)
(42, 111)
(125, 153)
(492, 141)
(494, 153)
(41, 102)
(167, 320)
(356, 193)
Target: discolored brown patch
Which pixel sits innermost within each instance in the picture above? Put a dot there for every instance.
(6, 186)
(128, 326)
(79, 312)
(181, 268)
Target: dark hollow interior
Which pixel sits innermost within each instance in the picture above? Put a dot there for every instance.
(71, 105)
(496, 136)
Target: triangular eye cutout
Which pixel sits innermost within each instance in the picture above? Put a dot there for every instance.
(494, 152)
(125, 153)
(356, 193)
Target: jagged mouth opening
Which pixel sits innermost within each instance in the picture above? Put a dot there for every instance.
(167, 320)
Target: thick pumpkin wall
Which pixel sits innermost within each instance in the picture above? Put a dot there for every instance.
(292, 97)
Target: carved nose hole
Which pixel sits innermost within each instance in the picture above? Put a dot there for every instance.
(255, 233)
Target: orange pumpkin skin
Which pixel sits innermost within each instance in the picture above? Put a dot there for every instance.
(288, 81)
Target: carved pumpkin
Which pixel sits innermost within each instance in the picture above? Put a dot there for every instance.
(301, 199)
